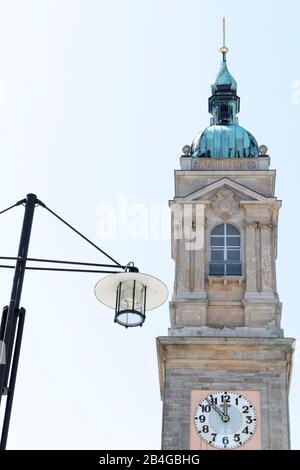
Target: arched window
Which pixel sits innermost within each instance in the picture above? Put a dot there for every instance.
(225, 254)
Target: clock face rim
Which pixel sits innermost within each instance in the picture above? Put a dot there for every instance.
(237, 394)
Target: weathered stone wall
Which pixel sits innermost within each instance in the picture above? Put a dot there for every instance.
(249, 300)
(219, 364)
(225, 331)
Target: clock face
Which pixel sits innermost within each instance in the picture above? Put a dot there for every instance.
(225, 420)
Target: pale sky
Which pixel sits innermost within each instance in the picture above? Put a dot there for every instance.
(97, 98)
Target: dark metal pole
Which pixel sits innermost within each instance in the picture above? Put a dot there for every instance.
(2, 329)
(3, 322)
(14, 305)
(13, 376)
(9, 350)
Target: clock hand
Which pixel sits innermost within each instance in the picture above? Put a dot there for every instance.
(225, 417)
(215, 408)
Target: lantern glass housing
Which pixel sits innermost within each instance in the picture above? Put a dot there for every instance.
(130, 303)
(131, 294)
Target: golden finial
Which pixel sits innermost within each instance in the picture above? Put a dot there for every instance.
(224, 49)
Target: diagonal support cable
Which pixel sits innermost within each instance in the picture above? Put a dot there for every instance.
(15, 205)
(78, 233)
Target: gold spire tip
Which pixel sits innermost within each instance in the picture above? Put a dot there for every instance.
(224, 49)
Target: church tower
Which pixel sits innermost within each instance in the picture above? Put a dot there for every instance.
(225, 365)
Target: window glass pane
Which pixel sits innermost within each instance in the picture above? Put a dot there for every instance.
(233, 241)
(217, 241)
(231, 230)
(225, 242)
(218, 230)
(233, 255)
(217, 255)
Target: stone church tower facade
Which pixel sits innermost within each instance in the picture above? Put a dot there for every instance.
(225, 365)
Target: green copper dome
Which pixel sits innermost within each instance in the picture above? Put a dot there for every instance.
(224, 78)
(231, 141)
(224, 138)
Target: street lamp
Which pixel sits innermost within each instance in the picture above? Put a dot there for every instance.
(131, 294)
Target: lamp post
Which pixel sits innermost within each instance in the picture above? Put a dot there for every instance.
(125, 289)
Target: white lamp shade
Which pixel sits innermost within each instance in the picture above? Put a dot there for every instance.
(106, 289)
